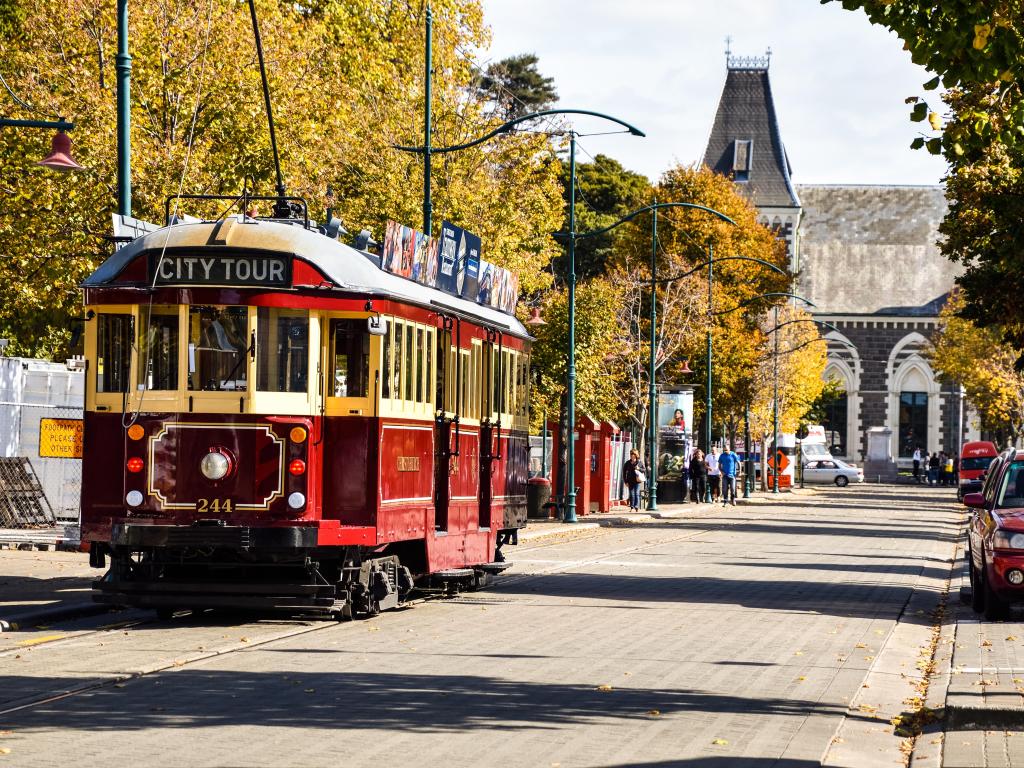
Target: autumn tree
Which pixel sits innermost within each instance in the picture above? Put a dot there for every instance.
(346, 86)
(983, 364)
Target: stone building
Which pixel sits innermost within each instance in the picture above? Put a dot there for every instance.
(866, 256)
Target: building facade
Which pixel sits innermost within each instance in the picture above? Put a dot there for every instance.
(866, 256)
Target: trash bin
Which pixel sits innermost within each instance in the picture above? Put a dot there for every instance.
(538, 493)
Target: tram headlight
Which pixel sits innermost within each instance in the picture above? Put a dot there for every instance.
(133, 498)
(296, 500)
(215, 465)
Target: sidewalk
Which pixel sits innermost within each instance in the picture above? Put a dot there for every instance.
(984, 705)
(44, 586)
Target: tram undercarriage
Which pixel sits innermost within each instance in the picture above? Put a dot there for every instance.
(154, 567)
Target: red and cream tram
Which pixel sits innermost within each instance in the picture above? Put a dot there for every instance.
(274, 422)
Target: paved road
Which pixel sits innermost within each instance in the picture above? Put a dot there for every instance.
(744, 637)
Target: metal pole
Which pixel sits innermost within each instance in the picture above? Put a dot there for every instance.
(124, 120)
(652, 394)
(427, 205)
(748, 475)
(570, 491)
(801, 465)
(544, 445)
(775, 413)
(960, 422)
(707, 402)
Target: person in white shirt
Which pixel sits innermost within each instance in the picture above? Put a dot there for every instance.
(917, 464)
(713, 474)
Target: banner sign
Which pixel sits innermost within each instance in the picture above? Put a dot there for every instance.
(60, 438)
(675, 413)
(452, 265)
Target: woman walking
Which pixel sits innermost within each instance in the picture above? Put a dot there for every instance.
(634, 475)
(699, 476)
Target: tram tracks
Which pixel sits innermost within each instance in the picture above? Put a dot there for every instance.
(178, 660)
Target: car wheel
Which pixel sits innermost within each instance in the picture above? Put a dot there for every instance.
(996, 608)
(977, 596)
(842, 481)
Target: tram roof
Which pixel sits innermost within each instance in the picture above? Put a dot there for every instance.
(349, 270)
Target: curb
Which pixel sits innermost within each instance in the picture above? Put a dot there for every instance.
(27, 619)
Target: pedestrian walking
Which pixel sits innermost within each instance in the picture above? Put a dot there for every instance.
(948, 470)
(634, 475)
(933, 468)
(917, 464)
(699, 475)
(713, 473)
(728, 466)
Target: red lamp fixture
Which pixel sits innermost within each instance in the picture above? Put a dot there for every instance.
(60, 158)
(686, 367)
(134, 464)
(534, 319)
(297, 467)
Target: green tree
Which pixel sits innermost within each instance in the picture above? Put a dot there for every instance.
(516, 87)
(605, 191)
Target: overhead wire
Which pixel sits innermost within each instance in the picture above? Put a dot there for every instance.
(177, 204)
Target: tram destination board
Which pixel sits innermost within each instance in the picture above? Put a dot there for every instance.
(234, 269)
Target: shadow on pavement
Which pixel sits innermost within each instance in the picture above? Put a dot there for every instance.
(722, 762)
(423, 703)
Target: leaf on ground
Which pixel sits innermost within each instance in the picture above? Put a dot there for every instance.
(653, 712)
(243, 639)
(311, 690)
(986, 643)
(5, 751)
(860, 645)
(799, 653)
(1010, 638)
(720, 742)
(983, 681)
(1018, 680)
(604, 687)
(802, 677)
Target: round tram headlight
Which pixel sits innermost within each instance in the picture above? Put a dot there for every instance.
(135, 464)
(215, 465)
(297, 467)
(298, 434)
(296, 500)
(136, 432)
(133, 499)
(1015, 577)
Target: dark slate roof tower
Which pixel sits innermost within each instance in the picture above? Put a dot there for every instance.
(746, 145)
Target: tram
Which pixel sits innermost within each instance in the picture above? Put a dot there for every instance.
(275, 422)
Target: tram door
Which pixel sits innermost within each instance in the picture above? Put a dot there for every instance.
(443, 432)
(489, 445)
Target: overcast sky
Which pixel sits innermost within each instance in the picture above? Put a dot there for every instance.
(839, 82)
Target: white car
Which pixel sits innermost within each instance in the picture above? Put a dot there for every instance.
(832, 471)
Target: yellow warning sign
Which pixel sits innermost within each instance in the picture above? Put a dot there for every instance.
(60, 438)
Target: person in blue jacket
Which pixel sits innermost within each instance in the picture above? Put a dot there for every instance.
(728, 465)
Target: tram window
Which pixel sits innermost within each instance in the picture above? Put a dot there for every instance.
(217, 347)
(351, 355)
(396, 390)
(429, 348)
(158, 347)
(282, 355)
(113, 352)
(419, 365)
(408, 364)
(386, 364)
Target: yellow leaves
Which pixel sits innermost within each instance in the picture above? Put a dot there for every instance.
(604, 688)
(654, 712)
(935, 121)
(981, 35)
(719, 742)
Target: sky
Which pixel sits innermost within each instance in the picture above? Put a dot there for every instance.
(839, 83)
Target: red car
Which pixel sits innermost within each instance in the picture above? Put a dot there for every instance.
(995, 537)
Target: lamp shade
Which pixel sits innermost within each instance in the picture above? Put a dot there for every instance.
(686, 367)
(535, 319)
(60, 158)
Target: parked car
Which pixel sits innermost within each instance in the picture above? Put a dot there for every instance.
(975, 458)
(832, 471)
(995, 537)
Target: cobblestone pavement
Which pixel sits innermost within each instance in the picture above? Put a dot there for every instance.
(741, 637)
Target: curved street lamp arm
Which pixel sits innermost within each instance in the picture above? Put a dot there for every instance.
(652, 207)
(768, 295)
(701, 266)
(506, 127)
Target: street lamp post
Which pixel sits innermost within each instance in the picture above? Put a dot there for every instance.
(652, 390)
(775, 410)
(507, 127)
(124, 120)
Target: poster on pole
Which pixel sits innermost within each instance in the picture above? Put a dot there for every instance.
(675, 413)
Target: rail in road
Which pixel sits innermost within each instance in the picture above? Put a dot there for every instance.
(735, 635)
